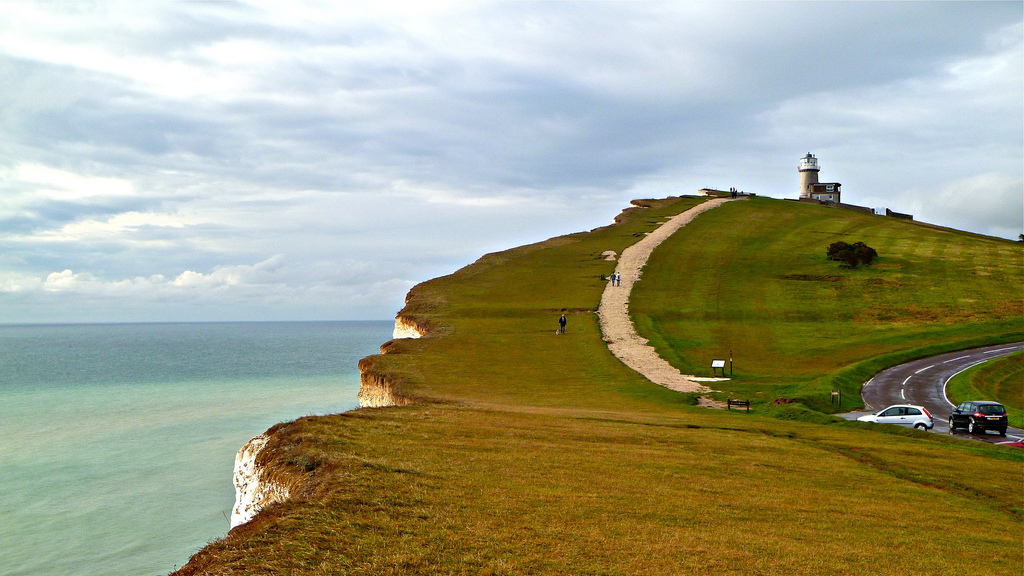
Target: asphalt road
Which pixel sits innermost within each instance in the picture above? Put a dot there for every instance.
(923, 382)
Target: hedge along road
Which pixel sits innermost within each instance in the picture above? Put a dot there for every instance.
(923, 382)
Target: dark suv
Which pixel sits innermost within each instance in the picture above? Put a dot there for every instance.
(978, 416)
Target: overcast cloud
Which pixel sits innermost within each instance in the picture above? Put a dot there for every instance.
(176, 161)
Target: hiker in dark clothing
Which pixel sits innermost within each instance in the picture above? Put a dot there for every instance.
(561, 324)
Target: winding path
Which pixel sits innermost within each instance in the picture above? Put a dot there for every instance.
(618, 329)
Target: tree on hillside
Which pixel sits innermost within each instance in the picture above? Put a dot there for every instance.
(851, 254)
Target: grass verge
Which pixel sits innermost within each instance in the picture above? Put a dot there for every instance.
(999, 379)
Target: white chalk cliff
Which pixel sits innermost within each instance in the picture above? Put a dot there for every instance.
(375, 391)
(405, 329)
(253, 492)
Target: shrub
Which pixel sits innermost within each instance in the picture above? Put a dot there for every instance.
(851, 254)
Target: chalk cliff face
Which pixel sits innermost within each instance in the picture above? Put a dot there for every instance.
(253, 492)
(405, 328)
(377, 390)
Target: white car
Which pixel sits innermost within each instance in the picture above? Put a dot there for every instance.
(902, 414)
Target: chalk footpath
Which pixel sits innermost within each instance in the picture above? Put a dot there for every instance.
(618, 329)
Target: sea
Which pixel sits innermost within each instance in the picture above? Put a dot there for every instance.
(117, 441)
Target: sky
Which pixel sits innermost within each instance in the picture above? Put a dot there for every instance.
(237, 161)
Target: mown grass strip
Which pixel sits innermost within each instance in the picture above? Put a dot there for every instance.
(753, 280)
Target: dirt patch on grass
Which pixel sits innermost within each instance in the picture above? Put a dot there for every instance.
(705, 402)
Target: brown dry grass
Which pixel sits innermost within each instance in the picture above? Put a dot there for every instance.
(459, 490)
(542, 454)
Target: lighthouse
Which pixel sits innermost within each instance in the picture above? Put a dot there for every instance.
(811, 189)
(808, 175)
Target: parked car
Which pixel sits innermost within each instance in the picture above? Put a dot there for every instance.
(977, 416)
(903, 415)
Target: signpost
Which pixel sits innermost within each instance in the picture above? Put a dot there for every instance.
(743, 403)
(718, 365)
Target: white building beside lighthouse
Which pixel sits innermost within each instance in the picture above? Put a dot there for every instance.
(810, 188)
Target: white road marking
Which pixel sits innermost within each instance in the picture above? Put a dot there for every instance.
(944, 384)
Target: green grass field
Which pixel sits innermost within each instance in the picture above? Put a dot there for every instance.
(525, 452)
(752, 279)
(999, 379)
(460, 490)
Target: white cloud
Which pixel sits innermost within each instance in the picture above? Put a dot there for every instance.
(147, 147)
(992, 203)
(19, 282)
(239, 276)
(116, 226)
(55, 37)
(67, 281)
(263, 273)
(44, 181)
(434, 195)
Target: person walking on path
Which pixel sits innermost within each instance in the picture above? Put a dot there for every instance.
(561, 324)
(616, 326)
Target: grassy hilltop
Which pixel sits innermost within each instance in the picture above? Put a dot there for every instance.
(753, 279)
(525, 452)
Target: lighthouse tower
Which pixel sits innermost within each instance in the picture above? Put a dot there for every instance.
(808, 175)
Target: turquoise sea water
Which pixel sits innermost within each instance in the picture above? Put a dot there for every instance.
(117, 442)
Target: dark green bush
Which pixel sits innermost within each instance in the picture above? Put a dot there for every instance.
(851, 254)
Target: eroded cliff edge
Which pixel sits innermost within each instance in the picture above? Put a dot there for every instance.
(253, 492)
(257, 485)
(262, 477)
